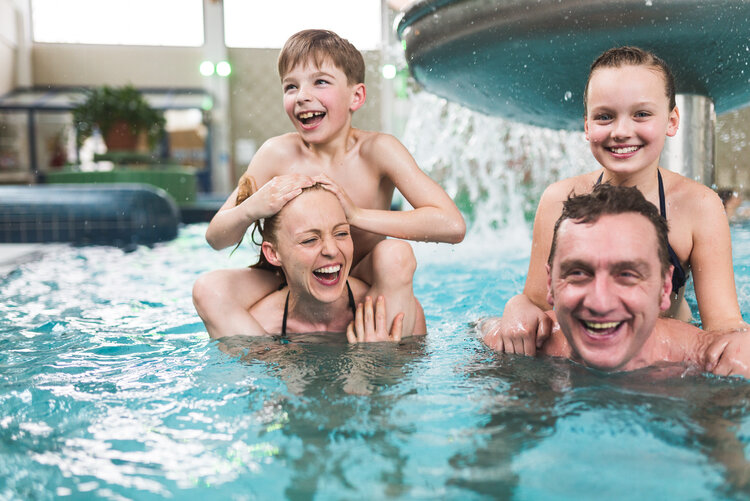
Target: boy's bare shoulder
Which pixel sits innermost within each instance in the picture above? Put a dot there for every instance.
(282, 145)
(274, 154)
(375, 144)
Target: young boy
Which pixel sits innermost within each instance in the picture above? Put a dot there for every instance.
(322, 79)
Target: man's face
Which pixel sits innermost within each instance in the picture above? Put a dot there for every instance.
(607, 288)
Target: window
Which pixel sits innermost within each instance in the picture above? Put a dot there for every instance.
(119, 22)
(264, 24)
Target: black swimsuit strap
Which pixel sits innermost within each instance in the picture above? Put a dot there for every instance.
(679, 277)
(352, 306)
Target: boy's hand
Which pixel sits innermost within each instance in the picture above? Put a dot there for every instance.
(349, 208)
(369, 327)
(273, 195)
(522, 329)
(729, 354)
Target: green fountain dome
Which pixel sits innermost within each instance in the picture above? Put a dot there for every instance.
(528, 60)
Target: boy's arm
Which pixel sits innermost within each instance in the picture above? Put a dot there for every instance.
(435, 218)
(230, 223)
(711, 264)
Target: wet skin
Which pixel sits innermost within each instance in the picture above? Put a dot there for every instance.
(608, 289)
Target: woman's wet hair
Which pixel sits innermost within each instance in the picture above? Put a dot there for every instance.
(632, 56)
(608, 199)
(266, 230)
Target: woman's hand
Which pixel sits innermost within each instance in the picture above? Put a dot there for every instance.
(370, 326)
(273, 195)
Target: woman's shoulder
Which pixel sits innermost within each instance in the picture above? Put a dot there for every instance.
(270, 310)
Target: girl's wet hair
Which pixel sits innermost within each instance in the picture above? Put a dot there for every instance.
(319, 46)
(632, 56)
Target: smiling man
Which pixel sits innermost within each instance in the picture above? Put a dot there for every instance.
(609, 279)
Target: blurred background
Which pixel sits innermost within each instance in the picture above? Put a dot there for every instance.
(210, 65)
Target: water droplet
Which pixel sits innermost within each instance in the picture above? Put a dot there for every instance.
(568, 95)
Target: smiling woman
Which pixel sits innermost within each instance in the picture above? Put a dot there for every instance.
(310, 242)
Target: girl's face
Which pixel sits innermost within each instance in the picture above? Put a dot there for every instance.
(628, 118)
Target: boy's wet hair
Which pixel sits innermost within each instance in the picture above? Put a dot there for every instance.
(608, 199)
(632, 56)
(320, 46)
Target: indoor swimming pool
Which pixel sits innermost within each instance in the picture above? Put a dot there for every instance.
(111, 389)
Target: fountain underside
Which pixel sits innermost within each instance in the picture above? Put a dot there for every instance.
(528, 60)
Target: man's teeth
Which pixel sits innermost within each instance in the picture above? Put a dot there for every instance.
(601, 325)
(310, 114)
(329, 269)
(627, 149)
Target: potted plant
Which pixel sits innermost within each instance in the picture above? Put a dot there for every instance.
(122, 115)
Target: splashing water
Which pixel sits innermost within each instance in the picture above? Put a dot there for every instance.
(494, 169)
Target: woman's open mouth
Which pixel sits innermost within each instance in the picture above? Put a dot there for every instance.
(328, 275)
(311, 118)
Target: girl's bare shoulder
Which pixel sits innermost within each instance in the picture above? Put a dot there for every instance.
(559, 191)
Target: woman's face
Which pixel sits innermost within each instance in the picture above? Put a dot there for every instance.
(313, 245)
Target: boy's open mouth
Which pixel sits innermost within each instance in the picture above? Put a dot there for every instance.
(601, 329)
(311, 117)
(328, 274)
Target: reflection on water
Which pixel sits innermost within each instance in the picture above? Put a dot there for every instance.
(111, 389)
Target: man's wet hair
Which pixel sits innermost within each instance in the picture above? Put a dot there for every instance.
(632, 56)
(608, 199)
(319, 46)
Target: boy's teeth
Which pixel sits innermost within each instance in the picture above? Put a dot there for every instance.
(309, 114)
(329, 269)
(628, 149)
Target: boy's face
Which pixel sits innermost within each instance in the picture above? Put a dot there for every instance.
(319, 100)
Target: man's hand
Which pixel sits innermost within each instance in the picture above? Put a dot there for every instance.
(729, 354)
(370, 326)
(522, 329)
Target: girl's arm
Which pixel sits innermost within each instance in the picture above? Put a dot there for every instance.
(435, 218)
(711, 263)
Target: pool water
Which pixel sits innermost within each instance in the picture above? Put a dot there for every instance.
(111, 389)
